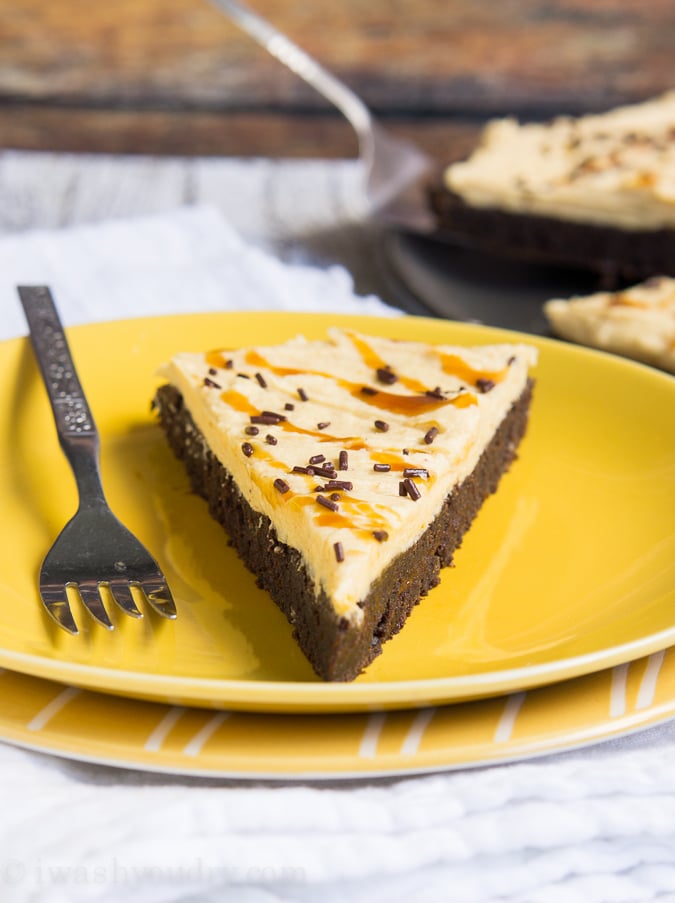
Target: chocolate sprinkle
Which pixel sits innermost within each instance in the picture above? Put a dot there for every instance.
(211, 383)
(327, 471)
(366, 390)
(251, 430)
(386, 375)
(323, 424)
(402, 489)
(263, 418)
(247, 449)
(339, 484)
(281, 485)
(343, 461)
(243, 375)
(435, 393)
(269, 418)
(431, 435)
(303, 395)
(381, 425)
(212, 371)
(485, 385)
(382, 468)
(340, 556)
(271, 440)
(317, 459)
(289, 407)
(416, 472)
(335, 496)
(229, 364)
(327, 503)
(412, 489)
(299, 469)
(381, 535)
(261, 380)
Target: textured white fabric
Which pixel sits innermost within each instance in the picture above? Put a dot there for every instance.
(190, 260)
(595, 825)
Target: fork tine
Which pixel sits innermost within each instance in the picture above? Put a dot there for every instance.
(121, 593)
(159, 597)
(57, 606)
(91, 599)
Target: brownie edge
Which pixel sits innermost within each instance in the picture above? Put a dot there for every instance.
(337, 649)
(612, 252)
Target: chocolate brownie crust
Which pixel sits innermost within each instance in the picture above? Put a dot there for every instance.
(628, 254)
(338, 649)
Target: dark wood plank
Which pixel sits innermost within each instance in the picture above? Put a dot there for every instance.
(145, 68)
(190, 133)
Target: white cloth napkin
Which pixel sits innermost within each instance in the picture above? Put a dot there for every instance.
(594, 825)
(190, 260)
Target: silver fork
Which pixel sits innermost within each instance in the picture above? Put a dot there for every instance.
(395, 169)
(94, 550)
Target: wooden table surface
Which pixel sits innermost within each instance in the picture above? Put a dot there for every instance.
(176, 77)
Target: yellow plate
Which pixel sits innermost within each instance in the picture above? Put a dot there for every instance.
(568, 568)
(88, 726)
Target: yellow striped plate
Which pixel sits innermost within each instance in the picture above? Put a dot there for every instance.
(567, 570)
(89, 726)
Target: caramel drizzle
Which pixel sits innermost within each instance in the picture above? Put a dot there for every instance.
(385, 401)
(373, 360)
(452, 364)
(355, 514)
(359, 509)
(412, 404)
(360, 516)
(238, 402)
(622, 300)
(216, 357)
(456, 366)
(396, 462)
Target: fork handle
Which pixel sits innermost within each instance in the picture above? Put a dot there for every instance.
(74, 421)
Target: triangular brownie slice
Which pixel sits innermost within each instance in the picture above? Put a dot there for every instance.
(594, 191)
(346, 471)
(638, 321)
